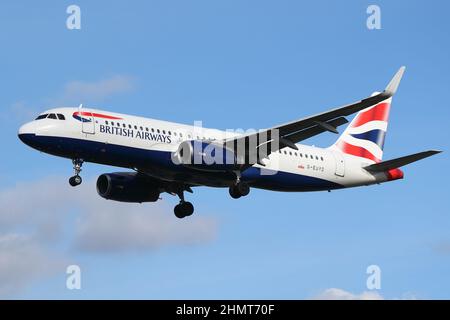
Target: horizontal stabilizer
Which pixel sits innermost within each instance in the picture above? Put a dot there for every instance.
(399, 162)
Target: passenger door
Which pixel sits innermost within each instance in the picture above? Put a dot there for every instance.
(88, 123)
(340, 164)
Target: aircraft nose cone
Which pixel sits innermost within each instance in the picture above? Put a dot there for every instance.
(26, 133)
(25, 137)
(26, 128)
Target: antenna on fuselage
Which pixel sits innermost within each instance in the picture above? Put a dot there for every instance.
(80, 106)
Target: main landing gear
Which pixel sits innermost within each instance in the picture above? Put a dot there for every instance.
(184, 208)
(76, 179)
(239, 189)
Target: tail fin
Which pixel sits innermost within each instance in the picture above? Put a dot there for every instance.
(364, 136)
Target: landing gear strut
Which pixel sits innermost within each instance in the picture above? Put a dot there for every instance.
(76, 179)
(184, 208)
(239, 189)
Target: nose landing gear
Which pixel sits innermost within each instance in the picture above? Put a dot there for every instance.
(76, 179)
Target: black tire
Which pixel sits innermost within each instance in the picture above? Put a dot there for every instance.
(243, 189)
(75, 181)
(188, 209)
(178, 210)
(234, 193)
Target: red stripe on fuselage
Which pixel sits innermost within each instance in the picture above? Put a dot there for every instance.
(356, 151)
(96, 115)
(378, 113)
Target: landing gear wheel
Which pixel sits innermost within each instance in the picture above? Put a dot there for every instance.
(178, 211)
(234, 192)
(75, 181)
(184, 209)
(241, 189)
(188, 209)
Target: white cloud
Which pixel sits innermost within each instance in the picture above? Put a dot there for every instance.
(76, 92)
(102, 225)
(22, 261)
(33, 217)
(442, 248)
(129, 227)
(21, 111)
(339, 294)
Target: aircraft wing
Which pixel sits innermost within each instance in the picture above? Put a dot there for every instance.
(296, 131)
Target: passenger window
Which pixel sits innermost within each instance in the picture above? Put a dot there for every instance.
(321, 158)
(142, 129)
(301, 155)
(181, 135)
(146, 129)
(317, 158)
(61, 116)
(175, 134)
(52, 116)
(168, 132)
(112, 123)
(135, 127)
(153, 130)
(124, 125)
(42, 116)
(164, 131)
(290, 153)
(157, 130)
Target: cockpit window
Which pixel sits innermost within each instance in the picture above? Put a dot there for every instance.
(52, 116)
(42, 116)
(61, 116)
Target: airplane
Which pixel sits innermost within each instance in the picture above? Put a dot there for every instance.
(171, 157)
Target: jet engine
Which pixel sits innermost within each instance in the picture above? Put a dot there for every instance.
(127, 187)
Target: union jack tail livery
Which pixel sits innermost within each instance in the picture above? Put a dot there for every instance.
(364, 136)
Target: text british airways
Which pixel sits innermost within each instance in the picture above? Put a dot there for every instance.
(124, 132)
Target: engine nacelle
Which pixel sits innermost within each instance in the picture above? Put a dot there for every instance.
(206, 156)
(127, 187)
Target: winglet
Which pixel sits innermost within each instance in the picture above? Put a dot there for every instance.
(392, 87)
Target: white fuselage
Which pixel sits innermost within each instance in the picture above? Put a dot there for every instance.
(147, 144)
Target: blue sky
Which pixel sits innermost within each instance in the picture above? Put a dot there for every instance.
(230, 64)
